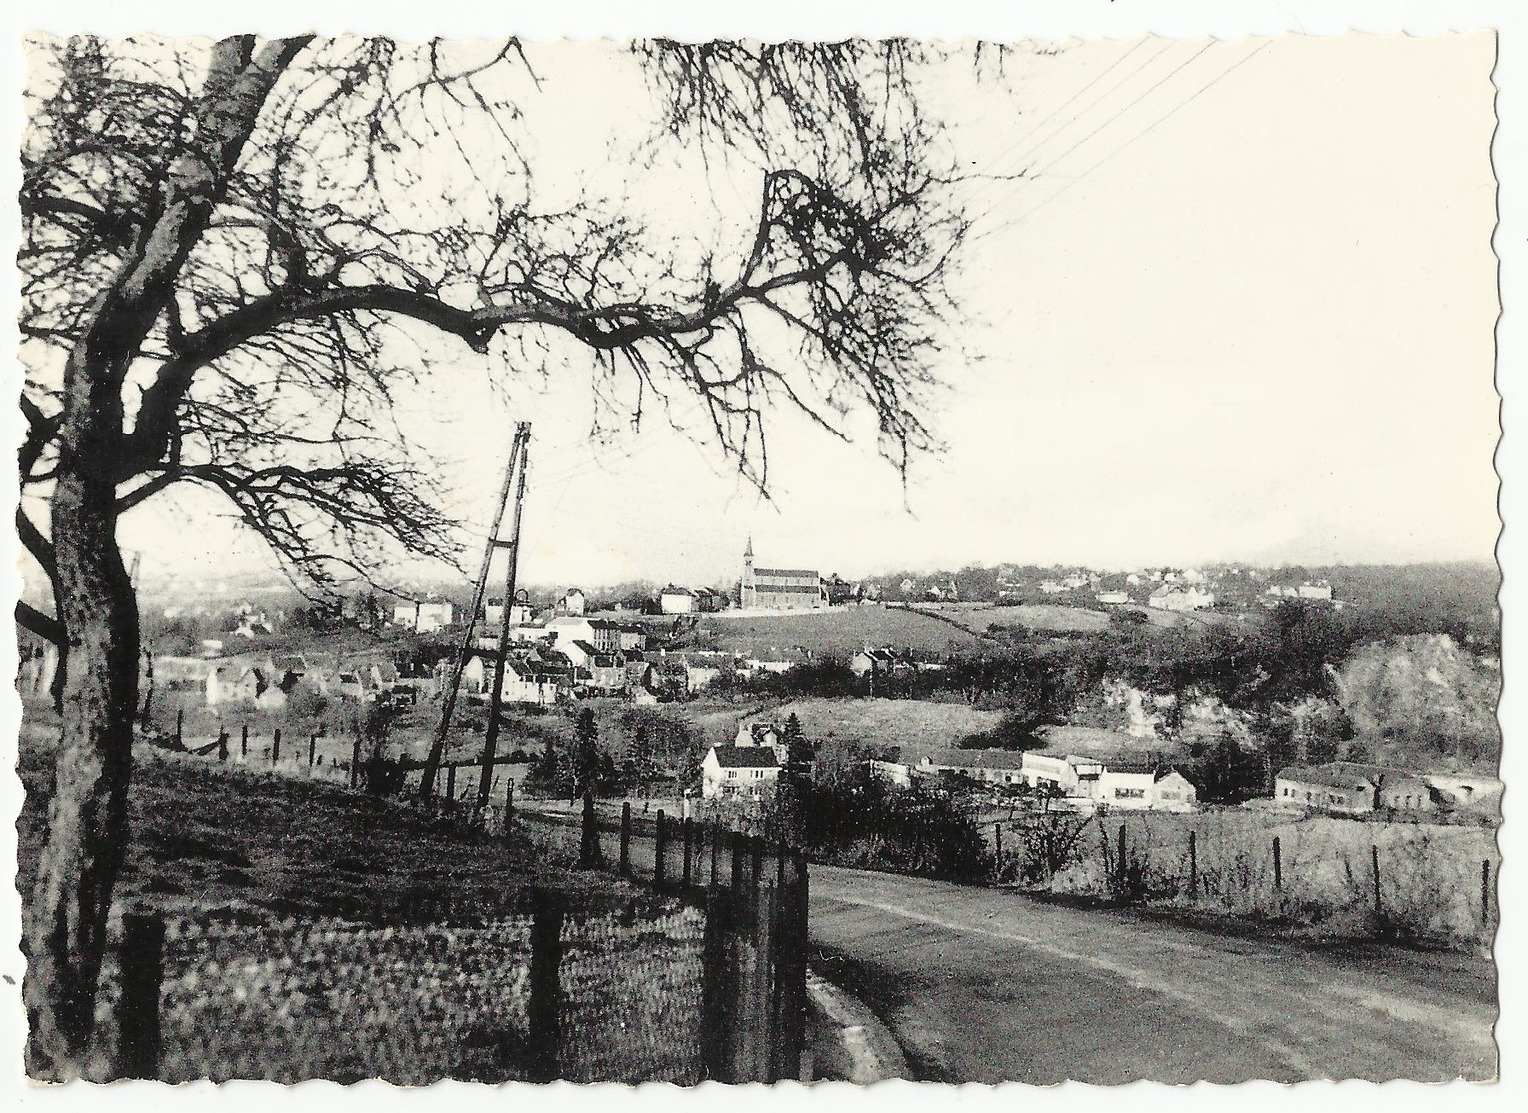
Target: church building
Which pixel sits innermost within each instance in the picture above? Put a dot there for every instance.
(780, 589)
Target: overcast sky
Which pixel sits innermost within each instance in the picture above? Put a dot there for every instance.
(1240, 308)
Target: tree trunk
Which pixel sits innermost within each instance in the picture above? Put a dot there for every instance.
(87, 815)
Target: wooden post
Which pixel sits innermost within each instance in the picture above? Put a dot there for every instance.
(1193, 866)
(1374, 856)
(509, 804)
(1485, 893)
(355, 762)
(142, 961)
(451, 782)
(715, 983)
(244, 742)
(545, 1005)
(788, 1009)
(625, 864)
(222, 744)
(589, 836)
(276, 746)
(1278, 866)
(312, 749)
(687, 829)
(997, 866)
(660, 851)
(180, 722)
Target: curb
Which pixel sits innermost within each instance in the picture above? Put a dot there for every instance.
(868, 1052)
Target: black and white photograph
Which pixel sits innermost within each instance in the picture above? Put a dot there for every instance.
(820, 557)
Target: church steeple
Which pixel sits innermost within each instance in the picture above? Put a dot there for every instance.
(747, 595)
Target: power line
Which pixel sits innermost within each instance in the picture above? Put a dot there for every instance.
(992, 162)
(1111, 120)
(1150, 127)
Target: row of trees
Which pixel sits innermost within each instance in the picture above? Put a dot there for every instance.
(651, 753)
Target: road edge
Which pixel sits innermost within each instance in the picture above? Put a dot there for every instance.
(867, 1050)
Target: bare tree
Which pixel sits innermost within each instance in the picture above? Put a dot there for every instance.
(229, 271)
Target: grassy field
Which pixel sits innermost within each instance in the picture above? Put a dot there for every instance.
(1056, 618)
(832, 633)
(204, 837)
(1430, 874)
(916, 727)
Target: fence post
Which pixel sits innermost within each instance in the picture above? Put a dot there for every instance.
(687, 828)
(450, 781)
(312, 749)
(1379, 910)
(790, 946)
(660, 851)
(997, 864)
(1278, 866)
(142, 961)
(1485, 894)
(757, 991)
(545, 1005)
(715, 985)
(222, 744)
(276, 746)
(625, 866)
(589, 856)
(509, 804)
(1193, 866)
(244, 742)
(180, 721)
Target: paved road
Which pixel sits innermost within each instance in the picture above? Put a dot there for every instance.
(985, 986)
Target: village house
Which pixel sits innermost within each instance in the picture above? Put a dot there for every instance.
(764, 734)
(520, 614)
(572, 602)
(606, 674)
(525, 683)
(1068, 775)
(1174, 597)
(678, 600)
(881, 662)
(989, 766)
(1173, 792)
(1113, 598)
(423, 617)
(749, 772)
(1353, 788)
(1089, 782)
(630, 638)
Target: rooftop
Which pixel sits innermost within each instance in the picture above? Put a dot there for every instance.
(745, 757)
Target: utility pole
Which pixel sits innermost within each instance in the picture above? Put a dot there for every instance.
(466, 650)
(496, 700)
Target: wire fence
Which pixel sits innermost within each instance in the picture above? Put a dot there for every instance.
(1342, 878)
(501, 995)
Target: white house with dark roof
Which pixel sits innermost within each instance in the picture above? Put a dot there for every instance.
(749, 772)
